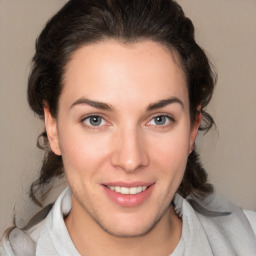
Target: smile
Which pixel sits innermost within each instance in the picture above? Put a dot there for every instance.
(129, 195)
(128, 191)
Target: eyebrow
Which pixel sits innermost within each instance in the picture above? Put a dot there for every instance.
(165, 102)
(95, 104)
(105, 106)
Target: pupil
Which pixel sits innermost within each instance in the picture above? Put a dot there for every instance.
(95, 120)
(160, 120)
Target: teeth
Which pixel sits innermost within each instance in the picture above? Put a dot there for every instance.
(128, 191)
(125, 191)
(140, 189)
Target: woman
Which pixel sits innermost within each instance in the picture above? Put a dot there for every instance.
(122, 87)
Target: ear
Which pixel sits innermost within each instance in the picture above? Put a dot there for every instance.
(51, 129)
(194, 128)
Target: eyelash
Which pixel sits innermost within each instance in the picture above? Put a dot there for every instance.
(167, 118)
(89, 118)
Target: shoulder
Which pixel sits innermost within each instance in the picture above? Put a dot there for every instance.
(224, 226)
(251, 216)
(16, 241)
(5, 247)
(229, 224)
(225, 214)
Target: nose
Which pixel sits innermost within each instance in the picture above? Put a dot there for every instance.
(130, 151)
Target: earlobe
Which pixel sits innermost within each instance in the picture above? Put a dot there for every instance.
(194, 129)
(52, 132)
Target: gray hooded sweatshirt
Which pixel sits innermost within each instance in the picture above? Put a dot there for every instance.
(211, 227)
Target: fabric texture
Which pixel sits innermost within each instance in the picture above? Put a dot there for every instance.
(203, 234)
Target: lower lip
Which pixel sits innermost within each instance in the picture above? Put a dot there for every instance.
(129, 200)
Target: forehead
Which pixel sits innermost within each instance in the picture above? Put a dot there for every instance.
(111, 70)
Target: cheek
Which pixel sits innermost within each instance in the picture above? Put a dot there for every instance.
(172, 149)
(82, 153)
(169, 156)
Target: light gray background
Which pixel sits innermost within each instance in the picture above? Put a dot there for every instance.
(225, 29)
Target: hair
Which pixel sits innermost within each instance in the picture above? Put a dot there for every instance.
(82, 22)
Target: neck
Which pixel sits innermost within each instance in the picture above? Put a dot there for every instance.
(91, 240)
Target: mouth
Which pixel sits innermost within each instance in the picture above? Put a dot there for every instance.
(129, 195)
(128, 191)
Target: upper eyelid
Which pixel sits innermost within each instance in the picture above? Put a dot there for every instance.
(170, 117)
(162, 114)
(85, 117)
(88, 126)
(93, 114)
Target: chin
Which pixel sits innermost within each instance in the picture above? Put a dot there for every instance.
(136, 232)
(131, 227)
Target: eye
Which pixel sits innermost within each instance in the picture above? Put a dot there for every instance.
(94, 121)
(160, 120)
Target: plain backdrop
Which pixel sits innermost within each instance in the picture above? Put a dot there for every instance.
(224, 28)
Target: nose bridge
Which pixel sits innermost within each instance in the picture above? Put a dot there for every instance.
(130, 151)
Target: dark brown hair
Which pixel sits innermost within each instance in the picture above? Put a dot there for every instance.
(81, 22)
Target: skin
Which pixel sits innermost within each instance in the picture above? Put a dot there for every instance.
(127, 145)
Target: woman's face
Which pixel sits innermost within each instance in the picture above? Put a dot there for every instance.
(123, 130)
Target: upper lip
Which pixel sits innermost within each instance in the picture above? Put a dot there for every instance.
(128, 184)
